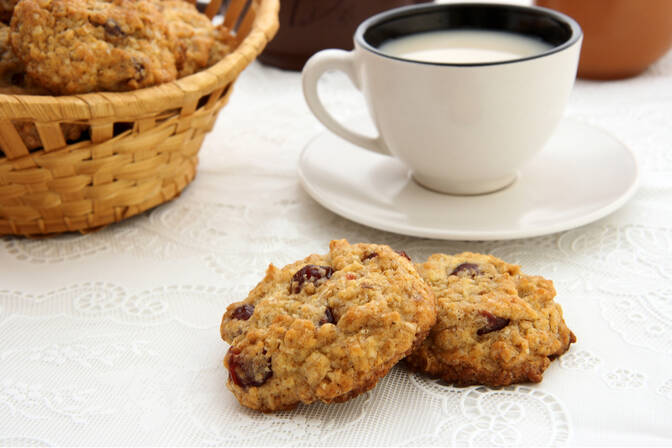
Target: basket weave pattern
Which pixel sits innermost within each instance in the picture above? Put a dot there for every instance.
(142, 148)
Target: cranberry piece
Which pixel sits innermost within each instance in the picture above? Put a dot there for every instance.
(243, 312)
(18, 79)
(470, 268)
(246, 372)
(369, 256)
(403, 254)
(328, 317)
(495, 323)
(310, 273)
(113, 29)
(140, 70)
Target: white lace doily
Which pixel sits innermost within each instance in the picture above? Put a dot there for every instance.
(111, 338)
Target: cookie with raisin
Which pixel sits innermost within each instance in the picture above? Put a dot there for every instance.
(79, 46)
(495, 325)
(325, 328)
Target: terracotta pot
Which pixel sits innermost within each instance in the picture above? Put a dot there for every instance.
(308, 26)
(621, 37)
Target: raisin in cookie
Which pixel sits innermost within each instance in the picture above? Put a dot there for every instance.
(7, 9)
(325, 328)
(78, 46)
(495, 326)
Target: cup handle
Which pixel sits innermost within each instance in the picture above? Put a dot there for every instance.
(316, 66)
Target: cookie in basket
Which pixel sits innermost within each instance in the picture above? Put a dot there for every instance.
(11, 66)
(78, 46)
(191, 33)
(223, 45)
(495, 326)
(325, 328)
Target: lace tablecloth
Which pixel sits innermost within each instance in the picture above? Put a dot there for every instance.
(111, 338)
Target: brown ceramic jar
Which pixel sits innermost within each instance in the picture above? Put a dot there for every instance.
(308, 26)
(621, 37)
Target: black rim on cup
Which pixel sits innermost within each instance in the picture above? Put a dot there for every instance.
(552, 27)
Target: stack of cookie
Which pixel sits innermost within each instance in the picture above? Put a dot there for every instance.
(66, 47)
(330, 326)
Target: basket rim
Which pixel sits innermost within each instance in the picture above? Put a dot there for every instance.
(87, 106)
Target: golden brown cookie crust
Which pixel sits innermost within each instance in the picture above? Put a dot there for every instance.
(325, 328)
(495, 326)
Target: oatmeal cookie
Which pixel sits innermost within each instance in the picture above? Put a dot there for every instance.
(78, 46)
(495, 325)
(325, 328)
(13, 78)
(224, 44)
(192, 35)
(10, 65)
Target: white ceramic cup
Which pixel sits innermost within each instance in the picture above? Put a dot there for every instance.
(460, 128)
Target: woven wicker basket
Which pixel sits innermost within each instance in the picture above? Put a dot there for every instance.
(142, 145)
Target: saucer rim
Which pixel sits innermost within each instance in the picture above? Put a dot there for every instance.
(490, 235)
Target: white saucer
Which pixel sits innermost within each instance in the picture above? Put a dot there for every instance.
(581, 175)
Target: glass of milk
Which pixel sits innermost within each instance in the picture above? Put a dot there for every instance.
(463, 94)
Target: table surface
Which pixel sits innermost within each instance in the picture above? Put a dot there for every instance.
(112, 337)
